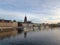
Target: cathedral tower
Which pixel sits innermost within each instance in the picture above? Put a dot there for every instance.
(25, 19)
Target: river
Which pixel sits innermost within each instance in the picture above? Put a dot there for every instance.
(46, 36)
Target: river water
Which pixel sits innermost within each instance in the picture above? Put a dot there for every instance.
(50, 36)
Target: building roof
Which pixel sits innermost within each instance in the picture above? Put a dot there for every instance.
(5, 20)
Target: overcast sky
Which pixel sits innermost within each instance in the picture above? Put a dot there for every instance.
(47, 11)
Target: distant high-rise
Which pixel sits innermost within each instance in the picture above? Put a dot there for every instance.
(25, 19)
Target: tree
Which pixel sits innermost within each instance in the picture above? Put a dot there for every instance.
(14, 20)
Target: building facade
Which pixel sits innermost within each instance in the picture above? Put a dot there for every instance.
(8, 23)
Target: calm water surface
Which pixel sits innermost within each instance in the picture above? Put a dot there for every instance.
(35, 37)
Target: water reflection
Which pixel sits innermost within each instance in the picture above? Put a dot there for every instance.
(25, 34)
(20, 30)
(7, 34)
(38, 36)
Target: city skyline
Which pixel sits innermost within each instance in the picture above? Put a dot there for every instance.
(39, 11)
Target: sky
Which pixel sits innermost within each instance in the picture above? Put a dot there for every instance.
(37, 11)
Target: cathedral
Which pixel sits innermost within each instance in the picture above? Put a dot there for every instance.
(26, 21)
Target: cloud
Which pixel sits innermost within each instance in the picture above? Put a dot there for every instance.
(40, 11)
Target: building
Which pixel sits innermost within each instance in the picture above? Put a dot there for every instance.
(8, 23)
(25, 19)
(28, 25)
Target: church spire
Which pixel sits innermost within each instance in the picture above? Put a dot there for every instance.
(25, 19)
